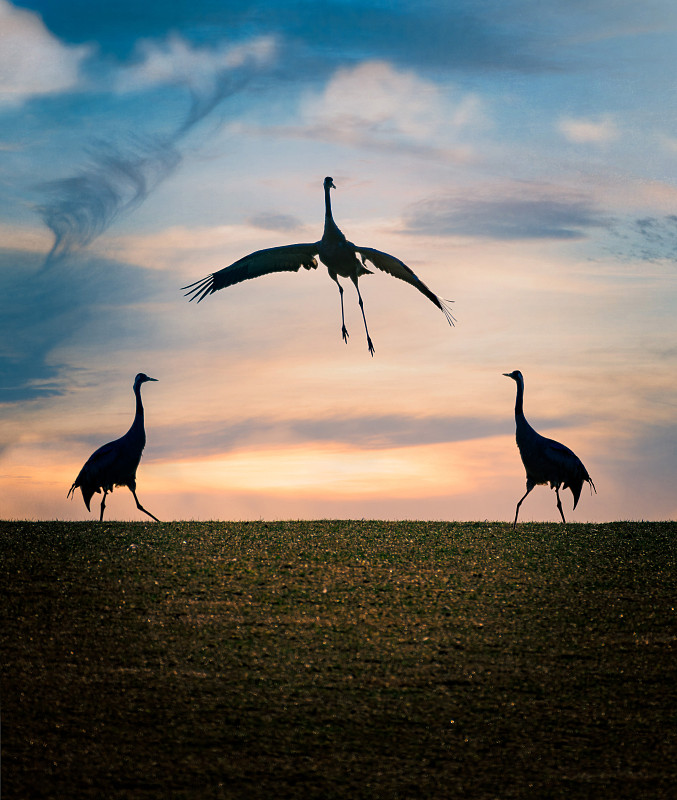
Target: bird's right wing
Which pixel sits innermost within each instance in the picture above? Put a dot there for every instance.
(398, 269)
(289, 258)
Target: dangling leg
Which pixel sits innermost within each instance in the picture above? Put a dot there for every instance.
(344, 331)
(559, 504)
(103, 505)
(140, 507)
(369, 344)
(530, 486)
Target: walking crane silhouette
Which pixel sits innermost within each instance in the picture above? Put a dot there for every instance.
(545, 460)
(115, 463)
(340, 257)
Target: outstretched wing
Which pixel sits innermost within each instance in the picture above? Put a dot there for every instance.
(398, 269)
(289, 258)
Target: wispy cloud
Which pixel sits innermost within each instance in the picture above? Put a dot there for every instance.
(537, 214)
(79, 209)
(649, 238)
(176, 61)
(275, 222)
(588, 131)
(119, 177)
(375, 104)
(51, 311)
(33, 62)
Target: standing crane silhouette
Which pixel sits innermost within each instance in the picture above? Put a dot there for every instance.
(115, 463)
(545, 460)
(340, 257)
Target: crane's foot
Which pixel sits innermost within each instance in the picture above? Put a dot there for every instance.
(370, 346)
(344, 333)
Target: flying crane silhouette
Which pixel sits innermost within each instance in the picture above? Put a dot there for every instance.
(545, 460)
(115, 463)
(341, 258)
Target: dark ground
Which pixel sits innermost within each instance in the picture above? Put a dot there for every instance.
(338, 659)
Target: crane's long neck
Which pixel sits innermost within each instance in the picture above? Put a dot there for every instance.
(519, 401)
(330, 227)
(523, 430)
(138, 417)
(522, 426)
(327, 204)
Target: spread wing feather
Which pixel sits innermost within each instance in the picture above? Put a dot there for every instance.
(398, 269)
(289, 258)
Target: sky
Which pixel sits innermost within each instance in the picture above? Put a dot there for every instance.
(520, 157)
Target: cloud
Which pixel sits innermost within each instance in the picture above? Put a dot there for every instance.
(375, 104)
(649, 238)
(37, 316)
(376, 96)
(537, 215)
(116, 180)
(459, 35)
(32, 61)
(362, 431)
(175, 61)
(275, 222)
(588, 131)
(119, 177)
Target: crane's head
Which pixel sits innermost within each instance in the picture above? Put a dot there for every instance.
(142, 378)
(516, 375)
(329, 183)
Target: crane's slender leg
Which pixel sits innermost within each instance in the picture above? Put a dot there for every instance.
(530, 486)
(103, 505)
(140, 507)
(369, 344)
(559, 503)
(344, 330)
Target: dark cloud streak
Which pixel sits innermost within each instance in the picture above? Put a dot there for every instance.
(462, 35)
(367, 432)
(118, 178)
(42, 311)
(275, 222)
(505, 218)
(81, 208)
(646, 239)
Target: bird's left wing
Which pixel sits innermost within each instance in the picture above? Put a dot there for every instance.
(398, 269)
(570, 468)
(93, 474)
(288, 258)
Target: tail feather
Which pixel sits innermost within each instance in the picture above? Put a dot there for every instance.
(577, 485)
(87, 492)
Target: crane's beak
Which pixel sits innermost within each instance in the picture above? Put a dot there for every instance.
(151, 379)
(507, 374)
(331, 185)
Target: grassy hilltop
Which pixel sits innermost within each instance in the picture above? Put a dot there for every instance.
(338, 659)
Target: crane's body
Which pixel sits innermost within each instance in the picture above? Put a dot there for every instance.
(545, 460)
(341, 258)
(115, 463)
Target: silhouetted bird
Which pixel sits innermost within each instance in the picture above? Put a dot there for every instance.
(338, 255)
(115, 463)
(545, 460)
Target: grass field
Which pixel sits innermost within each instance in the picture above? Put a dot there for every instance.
(338, 659)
